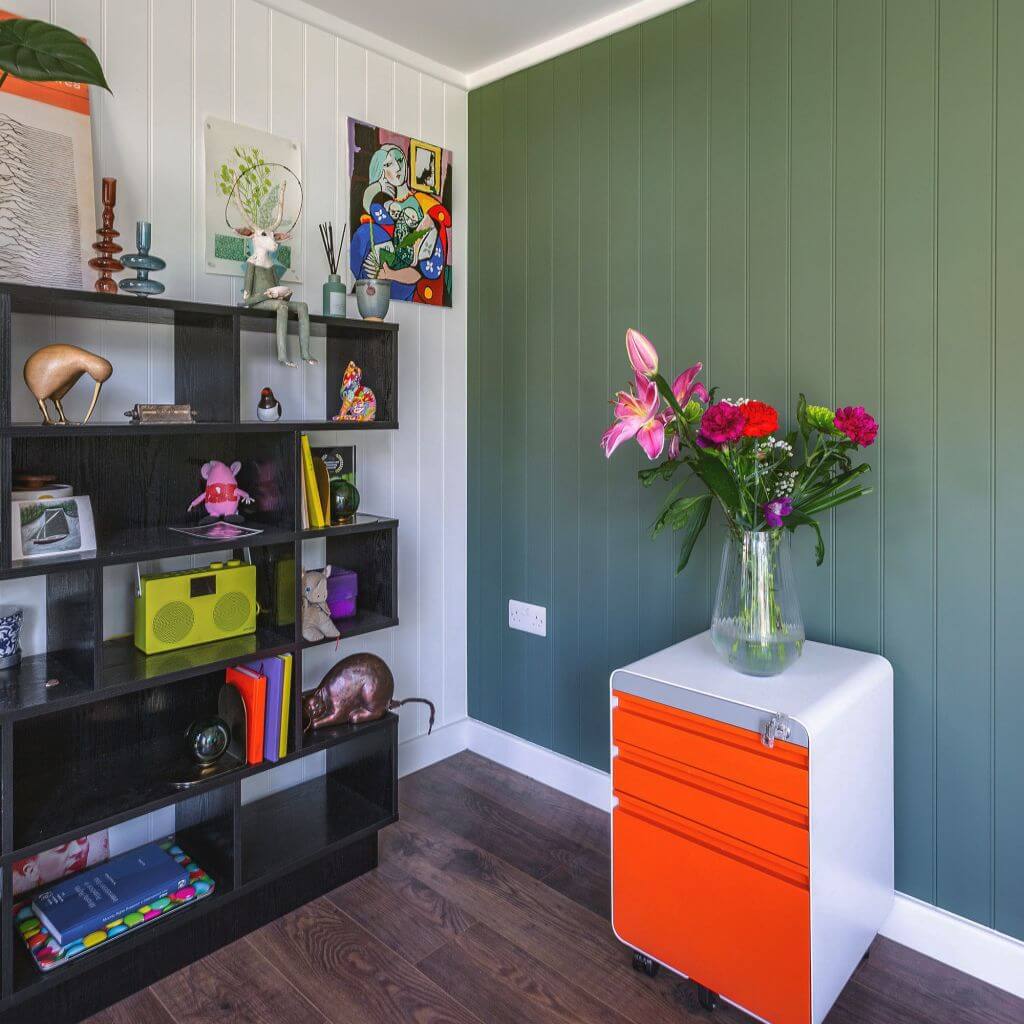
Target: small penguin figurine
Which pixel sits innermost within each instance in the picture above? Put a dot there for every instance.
(269, 409)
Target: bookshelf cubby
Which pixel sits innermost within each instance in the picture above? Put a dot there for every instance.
(106, 744)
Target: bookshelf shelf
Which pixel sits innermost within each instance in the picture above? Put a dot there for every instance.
(106, 744)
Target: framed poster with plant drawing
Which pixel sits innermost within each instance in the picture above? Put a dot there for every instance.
(252, 177)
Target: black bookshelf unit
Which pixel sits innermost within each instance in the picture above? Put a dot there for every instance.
(105, 744)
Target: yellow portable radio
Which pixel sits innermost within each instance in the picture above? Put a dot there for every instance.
(194, 606)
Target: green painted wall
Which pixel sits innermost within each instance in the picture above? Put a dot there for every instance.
(807, 196)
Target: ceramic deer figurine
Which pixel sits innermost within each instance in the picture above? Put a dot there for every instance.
(262, 289)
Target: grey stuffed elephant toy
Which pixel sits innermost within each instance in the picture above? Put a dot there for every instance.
(317, 623)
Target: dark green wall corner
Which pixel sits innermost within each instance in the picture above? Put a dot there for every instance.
(807, 196)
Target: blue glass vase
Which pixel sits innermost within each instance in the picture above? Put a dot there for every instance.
(142, 263)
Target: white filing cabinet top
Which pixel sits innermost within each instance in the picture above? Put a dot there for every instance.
(814, 691)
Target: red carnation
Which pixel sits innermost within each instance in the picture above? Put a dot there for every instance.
(762, 419)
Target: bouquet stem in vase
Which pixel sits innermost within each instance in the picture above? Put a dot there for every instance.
(756, 625)
(765, 484)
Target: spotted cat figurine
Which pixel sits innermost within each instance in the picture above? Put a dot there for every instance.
(358, 402)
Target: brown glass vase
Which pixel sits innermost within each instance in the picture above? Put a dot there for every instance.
(106, 262)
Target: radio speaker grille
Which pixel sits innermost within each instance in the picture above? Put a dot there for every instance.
(173, 622)
(231, 611)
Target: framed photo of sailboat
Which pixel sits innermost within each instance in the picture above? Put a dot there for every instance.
(52, 526)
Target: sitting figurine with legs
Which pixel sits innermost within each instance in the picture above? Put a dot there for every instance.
(262, 289)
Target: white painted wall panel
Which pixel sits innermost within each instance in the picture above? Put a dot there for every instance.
(172, 63)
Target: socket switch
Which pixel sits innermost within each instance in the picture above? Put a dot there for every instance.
(530, 618)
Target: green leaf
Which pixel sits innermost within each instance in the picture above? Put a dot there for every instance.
(833, 500)
(40, 52)
(695, 522)
(674, 511)
(801, 417)
(662, 472)
(795, 519)
(717, 479)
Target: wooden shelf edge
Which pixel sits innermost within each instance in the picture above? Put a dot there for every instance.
(184, 794)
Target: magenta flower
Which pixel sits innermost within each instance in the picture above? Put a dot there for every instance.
(857, 424)
(722, 423)
(643, 356)
(673, 446)
(636, 415)
(777, 510)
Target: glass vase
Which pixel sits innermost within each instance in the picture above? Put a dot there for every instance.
(756, 626)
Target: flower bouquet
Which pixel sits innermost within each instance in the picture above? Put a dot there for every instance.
(764, 486)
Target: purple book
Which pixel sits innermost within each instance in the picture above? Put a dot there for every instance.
(273, 669)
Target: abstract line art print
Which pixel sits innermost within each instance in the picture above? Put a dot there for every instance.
(400, 202)
(47, 216)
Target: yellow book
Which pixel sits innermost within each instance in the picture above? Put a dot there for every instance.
(316, 512)
(286, 704)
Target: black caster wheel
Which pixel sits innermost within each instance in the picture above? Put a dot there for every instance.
(644, 963)
(707, 999)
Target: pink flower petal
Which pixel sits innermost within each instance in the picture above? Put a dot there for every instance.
(652, 438)
(618, 433)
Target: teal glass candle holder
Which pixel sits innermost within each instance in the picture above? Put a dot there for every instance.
(142, 263)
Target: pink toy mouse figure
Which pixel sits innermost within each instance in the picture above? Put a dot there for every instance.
(222, 493)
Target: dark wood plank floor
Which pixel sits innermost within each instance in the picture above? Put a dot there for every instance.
(490, 906)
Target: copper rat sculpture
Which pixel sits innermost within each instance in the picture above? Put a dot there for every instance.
(359, 688)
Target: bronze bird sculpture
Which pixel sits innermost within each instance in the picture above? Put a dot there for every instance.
(54, 370)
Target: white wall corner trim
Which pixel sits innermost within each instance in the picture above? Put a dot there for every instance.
(555, 770)
(423, 751)
(627, 17)
(972, 948)
(368, 40)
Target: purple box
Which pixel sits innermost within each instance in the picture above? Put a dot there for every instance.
(342, 588)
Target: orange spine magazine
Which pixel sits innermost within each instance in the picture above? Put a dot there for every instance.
(253, 689)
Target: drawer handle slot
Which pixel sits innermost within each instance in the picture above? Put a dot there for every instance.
(735, 849)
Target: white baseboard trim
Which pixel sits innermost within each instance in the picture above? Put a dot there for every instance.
(972, 948)
(965, 945)
(555, 770)
(423, 751)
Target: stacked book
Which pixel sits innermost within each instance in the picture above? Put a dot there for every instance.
(265, 687)
(101, 904)
(320, 466)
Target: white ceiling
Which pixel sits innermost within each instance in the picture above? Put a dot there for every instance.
(470, 35)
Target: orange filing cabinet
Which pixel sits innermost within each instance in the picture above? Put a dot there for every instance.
(752, 823)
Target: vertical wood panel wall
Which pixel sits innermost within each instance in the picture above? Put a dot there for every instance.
(807, 195)
(169, 64)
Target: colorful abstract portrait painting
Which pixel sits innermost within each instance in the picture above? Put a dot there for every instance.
(400, 213)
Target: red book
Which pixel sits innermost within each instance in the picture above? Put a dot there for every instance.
(253, 689)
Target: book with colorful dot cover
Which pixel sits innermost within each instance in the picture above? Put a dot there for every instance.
(48, 954)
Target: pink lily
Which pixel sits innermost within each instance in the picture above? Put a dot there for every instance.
(686, 386)
(636, 415)
(643, 356)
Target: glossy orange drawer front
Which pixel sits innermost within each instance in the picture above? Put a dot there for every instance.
(715, 747)
(751, 815)
(732, 917)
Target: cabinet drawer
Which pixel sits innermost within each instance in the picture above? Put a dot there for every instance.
(762, 820)
(711, 746)
(734, 919)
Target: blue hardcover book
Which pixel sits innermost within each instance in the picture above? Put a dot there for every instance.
(84, 903)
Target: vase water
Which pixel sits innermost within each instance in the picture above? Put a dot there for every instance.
(756, 625)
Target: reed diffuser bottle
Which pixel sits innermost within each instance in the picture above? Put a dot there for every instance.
(335, 297)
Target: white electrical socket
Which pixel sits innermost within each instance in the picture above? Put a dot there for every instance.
(530, 618)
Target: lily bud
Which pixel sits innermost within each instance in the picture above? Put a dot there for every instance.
(643, 356)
